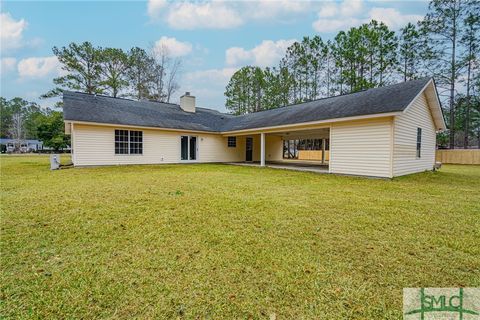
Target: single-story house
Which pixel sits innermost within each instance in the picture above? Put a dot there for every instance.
(383, 132)
(21, 145)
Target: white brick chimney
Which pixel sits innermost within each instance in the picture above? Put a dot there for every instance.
(187, 102)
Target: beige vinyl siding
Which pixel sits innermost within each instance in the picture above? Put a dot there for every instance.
(214, 148)
(361, 147)
(273, 148)
(95, 145)
(418, 115)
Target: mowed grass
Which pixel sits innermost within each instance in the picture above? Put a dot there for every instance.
(223, 242)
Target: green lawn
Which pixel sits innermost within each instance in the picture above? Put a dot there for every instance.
(220, 241)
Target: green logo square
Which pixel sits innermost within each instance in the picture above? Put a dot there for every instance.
(441, 303)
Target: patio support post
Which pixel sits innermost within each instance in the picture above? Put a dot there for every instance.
(323, 150)
(262, 149)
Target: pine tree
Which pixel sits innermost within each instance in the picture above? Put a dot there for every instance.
(82, 64)
(140, 73)
(385, 43)
(408, 53)
(114, 65)
(245, 91)
(442, 26)
(471, 40)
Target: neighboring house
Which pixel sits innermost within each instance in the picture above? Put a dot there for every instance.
(23, 146)
(383, 132)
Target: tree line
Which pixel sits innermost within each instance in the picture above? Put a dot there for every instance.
(136, 73)
(445, 45)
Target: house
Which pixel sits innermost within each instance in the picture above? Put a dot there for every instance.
(29, 145)
(382, 132)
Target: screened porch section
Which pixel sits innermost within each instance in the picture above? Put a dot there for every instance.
(303, 150)
(307, 149)
(307, 146)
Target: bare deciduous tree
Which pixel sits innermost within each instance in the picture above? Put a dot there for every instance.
(17, 131)
(164, 72)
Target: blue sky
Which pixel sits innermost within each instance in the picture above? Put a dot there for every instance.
(213, 39)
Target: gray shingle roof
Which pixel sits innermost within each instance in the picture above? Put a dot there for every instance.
(102, 109)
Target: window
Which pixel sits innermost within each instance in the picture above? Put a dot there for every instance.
(232, 142)
(121, 141)
(128, 142)
(188, 148)
(419, 142)
(136, 142)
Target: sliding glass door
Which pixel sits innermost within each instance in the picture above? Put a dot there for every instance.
(193, 148)
(184, 146)
(188, 147)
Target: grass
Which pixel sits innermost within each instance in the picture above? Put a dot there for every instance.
(219, 241)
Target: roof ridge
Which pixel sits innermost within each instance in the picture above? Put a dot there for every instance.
(116, 98)
(134, 100)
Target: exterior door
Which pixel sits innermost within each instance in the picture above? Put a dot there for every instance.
(188, 148)
(249, 149)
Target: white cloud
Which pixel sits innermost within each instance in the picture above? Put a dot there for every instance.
(330, 9)
(207, 86)
(11, 31)
(237, 55)
(7, 65)
(267, 53)
(210, 76)
(174, 47)
(209, 15)
(38, 67)
(334, 16)
(350, 8)
(392, 17)
(154, 8)
(269, 9)
(221, 14)
(331, 25)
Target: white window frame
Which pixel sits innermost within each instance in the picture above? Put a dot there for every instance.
(128, 143)
(418, 144)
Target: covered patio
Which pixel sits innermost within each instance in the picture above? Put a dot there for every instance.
(296, 149)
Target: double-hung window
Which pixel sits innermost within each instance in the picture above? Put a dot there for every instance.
(128, 142)
(419, 142)
(232, 142)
